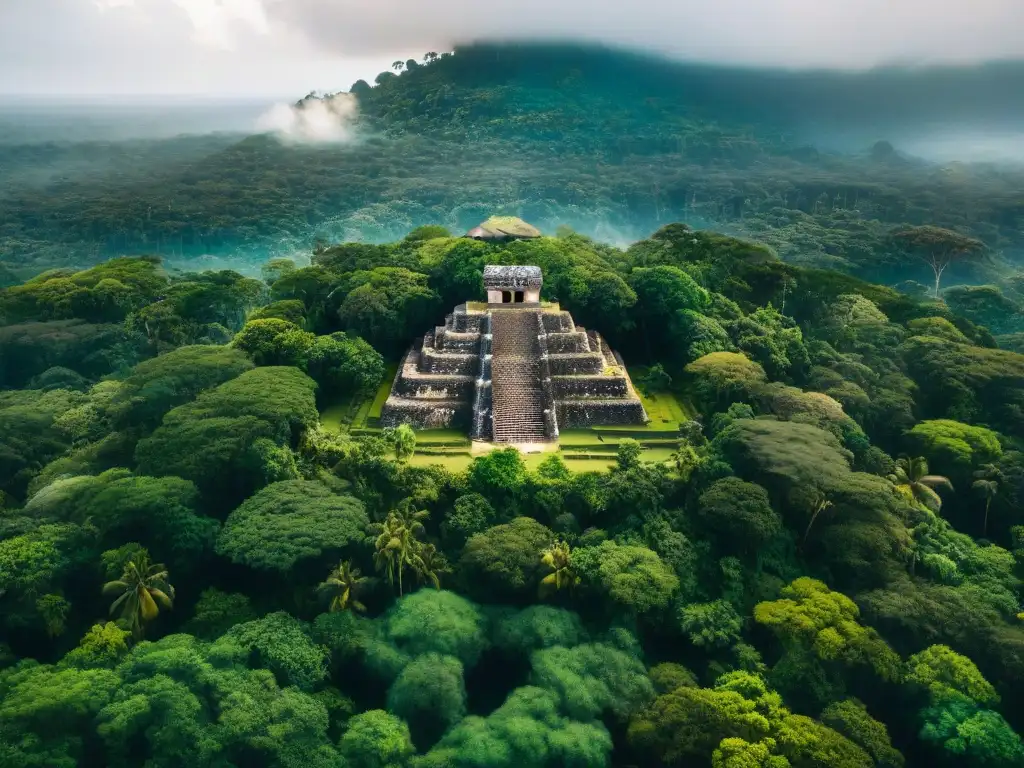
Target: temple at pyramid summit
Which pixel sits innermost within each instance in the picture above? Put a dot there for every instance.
(512, 369)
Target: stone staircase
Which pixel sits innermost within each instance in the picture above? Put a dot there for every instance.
(518, 401)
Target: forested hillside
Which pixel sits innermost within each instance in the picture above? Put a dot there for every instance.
(612, 144)
(194, 572)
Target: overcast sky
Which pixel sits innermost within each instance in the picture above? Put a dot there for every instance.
(288, 47)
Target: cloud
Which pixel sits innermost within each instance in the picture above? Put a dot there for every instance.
(799, 33)
(313, 121)
(248, 47)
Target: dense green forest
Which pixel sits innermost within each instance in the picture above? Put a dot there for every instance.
(194, 572)
(612, 144)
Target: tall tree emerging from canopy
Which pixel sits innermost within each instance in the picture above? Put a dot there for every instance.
(937, 247)
(143, 589)
(342, 585)
(911, 479)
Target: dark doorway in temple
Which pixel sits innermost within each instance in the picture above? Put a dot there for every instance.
(518, 297)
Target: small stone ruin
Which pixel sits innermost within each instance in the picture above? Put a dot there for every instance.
(512, 370)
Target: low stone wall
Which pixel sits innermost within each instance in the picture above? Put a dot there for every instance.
(598, 413)
(434, 386)
(579, 387)
(447, 363)
(557, 322)
(464, 322)
(574, 364)
(561, 343)
(421, 414)
(452, 341)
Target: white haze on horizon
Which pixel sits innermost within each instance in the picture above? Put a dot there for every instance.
(262, 47)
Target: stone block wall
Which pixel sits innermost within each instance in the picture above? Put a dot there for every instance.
(575, 364)
(564, 342)
(558, 322)
(581, 387)
(448, 363)
(592, 413)
(434, 387)
(463, 321)
(421, 414)
(452, 341)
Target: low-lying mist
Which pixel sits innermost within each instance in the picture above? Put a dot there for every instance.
(34, 121)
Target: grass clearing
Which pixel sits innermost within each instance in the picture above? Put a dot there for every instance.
(457, 460)
(360, 413)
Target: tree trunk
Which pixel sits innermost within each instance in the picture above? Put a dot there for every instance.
(984, 525)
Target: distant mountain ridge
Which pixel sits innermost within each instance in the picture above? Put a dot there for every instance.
(612, 143)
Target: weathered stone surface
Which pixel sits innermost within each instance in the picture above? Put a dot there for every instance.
(451, 363)
(590, 413)
(576, 363)
(513, 373)
(581, 387)
(558, 322)
(423, 414)
(573, 341)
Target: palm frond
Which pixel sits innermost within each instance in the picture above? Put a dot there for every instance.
(936, 481)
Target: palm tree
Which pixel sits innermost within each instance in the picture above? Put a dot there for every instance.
(411, 517)
(430, 564)
(398, 66)
(143, 589)
(912, 480)
(398, 546)
(558, 558)
(986, 485)
(394, 545)
(822, 505)
(342, 585)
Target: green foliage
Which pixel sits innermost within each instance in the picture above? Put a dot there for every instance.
(376, 739)
(102, 646)
(812, 616)
(216, 612)
(970, 735)
(156, 386)
(953, 447)
(633, 577)
(805, 742)
(280, 643)
(850, 718)
(965, 383)
(157, 512)
(505, 559)
(289, 310)
(668, 676)
(688, 722)
(104, 293)
(387, 306)
(141, 593)
(592, 679)
(436, 621)
(471, 514)
(944, 672)
(722, 377)
(739, 515)
(498, 475)
(528, 729)
(537, 627)
(216, 436)
(711, 625)
(807, 380)
(429, 694)
(168, 689)
(291, 521)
